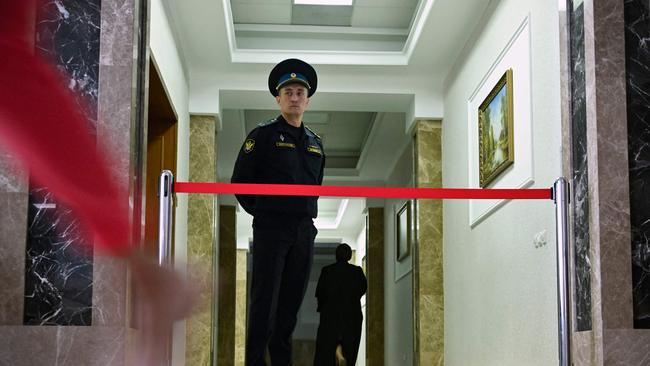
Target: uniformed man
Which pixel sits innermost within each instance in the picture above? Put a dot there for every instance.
(284, 151)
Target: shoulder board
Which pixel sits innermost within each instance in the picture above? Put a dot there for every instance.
(312, 132)
(268, 123)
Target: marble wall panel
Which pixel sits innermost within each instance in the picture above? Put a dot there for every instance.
(607, 117)
(115, 134)
(579, 174)
(13, 177)
(613, 41)
(64, 346)
(59, 265)
(69, 35)
(13, 226)
(627, 347)
(89, 346)
(428, 268)
(637, 33)
(27, 346)
(110, 284)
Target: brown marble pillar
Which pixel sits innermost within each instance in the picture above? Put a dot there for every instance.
(241, 297)
(201, 239)
(428, 300)
(375, 294)
(227, 281)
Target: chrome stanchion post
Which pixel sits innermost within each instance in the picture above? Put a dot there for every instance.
(561, 198)
(165, 194)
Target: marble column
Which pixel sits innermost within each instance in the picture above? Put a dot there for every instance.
(241, 291)
(228, 261)
(375, 295)
(93, 42)
(201, 239)
(603, 321)
(428, 296)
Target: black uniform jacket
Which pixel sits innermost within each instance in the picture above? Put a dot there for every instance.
(339, 290)
(276, 152)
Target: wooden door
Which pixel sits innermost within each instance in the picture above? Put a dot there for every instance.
(161, 155)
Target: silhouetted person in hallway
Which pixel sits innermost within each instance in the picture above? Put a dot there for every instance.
(339, 292)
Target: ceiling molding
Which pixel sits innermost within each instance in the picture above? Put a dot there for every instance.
(396, 159)
(327, 57)
(294, 29)
(370, 138)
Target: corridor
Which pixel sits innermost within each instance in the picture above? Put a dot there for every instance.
(482, 94)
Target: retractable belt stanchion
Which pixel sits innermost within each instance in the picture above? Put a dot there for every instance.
(165, 197)
(559, 193)
(561, 198)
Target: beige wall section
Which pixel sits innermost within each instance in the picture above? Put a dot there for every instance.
(240, 307)
(375, 294)
(227, 282)
(200, 239)
(428, 304)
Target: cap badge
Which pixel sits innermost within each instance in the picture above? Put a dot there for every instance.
(293, 75)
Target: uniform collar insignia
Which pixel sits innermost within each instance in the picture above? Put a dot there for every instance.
(281, 137)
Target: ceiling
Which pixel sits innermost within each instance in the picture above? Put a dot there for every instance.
(366, 25)
(362, 13)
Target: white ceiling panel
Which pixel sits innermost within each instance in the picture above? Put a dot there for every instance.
(261, 12)
(321, 15)
(386, 3)
(382, 17)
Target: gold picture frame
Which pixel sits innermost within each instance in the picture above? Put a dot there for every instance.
(496, 131)
(403, 231)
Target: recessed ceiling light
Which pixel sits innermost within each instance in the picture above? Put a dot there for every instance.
(322, 2)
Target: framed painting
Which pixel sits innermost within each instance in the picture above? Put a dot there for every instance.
(495, 131)
(403, 231)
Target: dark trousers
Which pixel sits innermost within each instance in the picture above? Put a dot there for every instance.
(282, 259)
(333, 330)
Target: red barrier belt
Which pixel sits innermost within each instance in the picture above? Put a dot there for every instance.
(345, 191)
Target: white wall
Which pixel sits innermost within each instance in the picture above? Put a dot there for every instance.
(166, 57)
(398, 278)
(500, 289)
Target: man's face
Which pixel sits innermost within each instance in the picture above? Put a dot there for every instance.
(293, 99)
